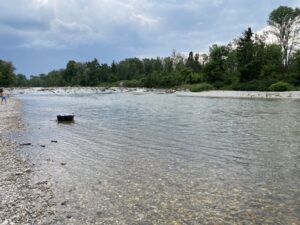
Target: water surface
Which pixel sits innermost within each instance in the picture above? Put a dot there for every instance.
(162, 159)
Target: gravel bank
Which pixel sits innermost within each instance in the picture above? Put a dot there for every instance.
(21, 201)
(242, 94)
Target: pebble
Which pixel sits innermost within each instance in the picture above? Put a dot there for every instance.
(22, 202)
(64, 202)
(19, 173)
(28, 170)
(4, 223)
(25, 144)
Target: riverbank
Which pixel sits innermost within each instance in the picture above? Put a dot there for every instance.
(179, 93)
(242, 94)
(21, 201)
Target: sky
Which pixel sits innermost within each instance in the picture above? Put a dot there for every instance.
(42, 35)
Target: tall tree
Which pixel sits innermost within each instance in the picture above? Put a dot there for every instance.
(197, 65)
(285, 24)
(271, 63)
(92, 74)
(190, 60)
(249, 56)
(7, 75)
(215, 69)
(70, 71)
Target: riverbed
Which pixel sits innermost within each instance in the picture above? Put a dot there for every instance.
(157, 158)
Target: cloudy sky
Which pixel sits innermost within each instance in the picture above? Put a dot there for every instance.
(41, 35)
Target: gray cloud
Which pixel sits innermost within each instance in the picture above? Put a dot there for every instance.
(114, 29)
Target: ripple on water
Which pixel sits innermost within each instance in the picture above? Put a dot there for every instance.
(159, 159)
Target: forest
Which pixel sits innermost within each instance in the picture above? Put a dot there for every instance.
(247, 63)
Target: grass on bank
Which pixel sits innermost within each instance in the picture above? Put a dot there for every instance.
(281, 86)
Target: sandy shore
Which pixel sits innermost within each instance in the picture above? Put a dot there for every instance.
(21, 201)
(242, 94)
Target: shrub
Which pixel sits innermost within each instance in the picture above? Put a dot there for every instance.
(254, 85)
(281, 86)
(132, 83)
(201, 87)
(197, 78)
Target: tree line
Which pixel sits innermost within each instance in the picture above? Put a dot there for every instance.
(248, 63)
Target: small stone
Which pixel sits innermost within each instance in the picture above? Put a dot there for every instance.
(25, 144)
(4, 223)
(64, 203)
(43, 146)
(63, 163)
(19, 173)
(28, 170)
(53, 141)
(69, 216)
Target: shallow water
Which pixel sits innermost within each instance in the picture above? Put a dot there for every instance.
(161, 159)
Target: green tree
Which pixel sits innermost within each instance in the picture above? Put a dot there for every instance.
(215, 69)
(37, 81)
(148, 66)
(7, 75)
(131, 68)
(190, 61)
(70, 71)
(55, 78)
(104, 72)
(295, 69)
(193, 62)
(196, 65)
(113, 68)
(250, 56)
(285, 23)
(271, 63)
(92, 73)
(168, 64)
(157, 65)
(21, 81)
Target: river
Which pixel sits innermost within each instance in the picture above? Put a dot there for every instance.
(151, 158)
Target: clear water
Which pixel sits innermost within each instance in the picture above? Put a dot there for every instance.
(162, 159)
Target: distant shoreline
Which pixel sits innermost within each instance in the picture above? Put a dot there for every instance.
(179, 93)
(242, 94)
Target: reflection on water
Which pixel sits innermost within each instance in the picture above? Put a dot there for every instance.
(162, 159)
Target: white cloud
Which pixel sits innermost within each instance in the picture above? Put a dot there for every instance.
(145, 20)
(266, 35)
(71, 22)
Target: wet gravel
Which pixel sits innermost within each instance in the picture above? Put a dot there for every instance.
(21, 200)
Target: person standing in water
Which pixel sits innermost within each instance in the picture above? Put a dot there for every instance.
(3, 96)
